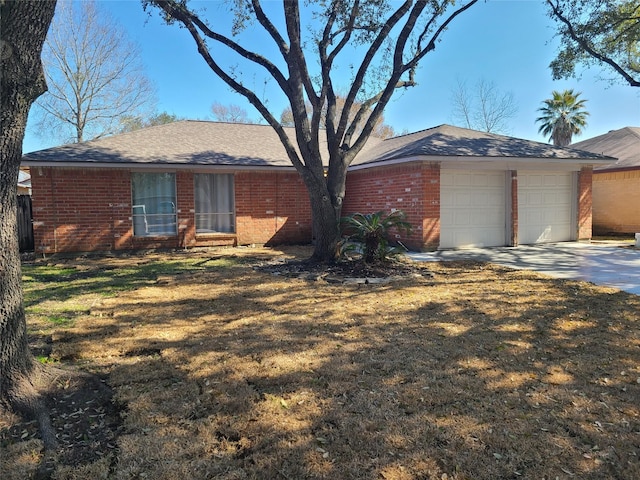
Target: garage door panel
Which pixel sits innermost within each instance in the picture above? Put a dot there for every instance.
(480, 180)
(545, 207)
(463, 199)
(472, 210)
(480, 199)
(462, 219)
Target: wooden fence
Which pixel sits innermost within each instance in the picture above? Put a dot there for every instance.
(25, 224)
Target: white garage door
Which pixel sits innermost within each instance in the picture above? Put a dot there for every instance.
(545, 207)
(472, 209)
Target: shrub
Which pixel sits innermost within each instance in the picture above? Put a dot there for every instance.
(369, 234)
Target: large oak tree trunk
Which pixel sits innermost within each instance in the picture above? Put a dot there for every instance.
(23, 28)
(326, 228)
(326, 194)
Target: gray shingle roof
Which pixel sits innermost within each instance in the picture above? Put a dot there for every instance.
(623, 144)
(449, 141)
(191, 142)
(187, 142)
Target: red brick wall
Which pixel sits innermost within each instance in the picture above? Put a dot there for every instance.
(585, 206)
(514, 208)
(81, 209)
(272, 208)
(412, 187)
(76, 210)
(186, 209)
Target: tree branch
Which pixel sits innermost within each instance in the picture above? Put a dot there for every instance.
(185, 17)
(366, 63)
(588, 48)
(180, 12)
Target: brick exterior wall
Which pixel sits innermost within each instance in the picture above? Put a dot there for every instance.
(411, 187)
(89, 209)
(81, 209)
(585, 206)
(272, 208)
(616, 201)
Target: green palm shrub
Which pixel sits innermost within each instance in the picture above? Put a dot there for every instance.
(370, 234)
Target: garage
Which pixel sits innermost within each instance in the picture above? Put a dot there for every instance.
(546, 207)
(472, 208)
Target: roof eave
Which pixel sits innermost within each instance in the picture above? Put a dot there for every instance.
(499, 162)
(156, 166)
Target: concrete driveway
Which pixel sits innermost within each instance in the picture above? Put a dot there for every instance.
(610, 265)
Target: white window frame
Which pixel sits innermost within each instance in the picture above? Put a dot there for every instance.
(154, 216)
(217, 215)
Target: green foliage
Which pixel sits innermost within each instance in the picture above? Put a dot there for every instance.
(369, 234)
(562, 116)
(45, 360)
(60, 320)
(130, 123)
(604, 32)
(42, 282)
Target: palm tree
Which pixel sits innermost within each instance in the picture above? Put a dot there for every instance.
(563, 116)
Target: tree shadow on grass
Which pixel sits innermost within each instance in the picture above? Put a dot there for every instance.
(484, 373)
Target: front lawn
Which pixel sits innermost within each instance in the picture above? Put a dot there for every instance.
(220, 369)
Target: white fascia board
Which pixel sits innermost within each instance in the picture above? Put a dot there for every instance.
(494, 163)
(158, 166)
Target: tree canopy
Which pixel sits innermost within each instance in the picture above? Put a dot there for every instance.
(604, 32)
(130, 123)
(94, 74)
(303, 49)
(231, 113)
(562, 116)
(483, 108)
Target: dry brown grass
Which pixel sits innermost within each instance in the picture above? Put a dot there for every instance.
(480, 372)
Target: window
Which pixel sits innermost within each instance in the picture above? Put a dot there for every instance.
(214, 203)
(154, 204)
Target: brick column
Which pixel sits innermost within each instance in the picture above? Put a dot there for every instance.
(186, 209)
(585, 205)
(431, 202)
(513, 241)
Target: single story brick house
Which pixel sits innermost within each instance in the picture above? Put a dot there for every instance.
(616, 186)
(198, 183)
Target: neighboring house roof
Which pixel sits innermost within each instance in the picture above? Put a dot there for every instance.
(190, 142)
(458, 143)
(623, 144)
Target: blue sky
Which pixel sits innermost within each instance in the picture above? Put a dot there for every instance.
(507, 42)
